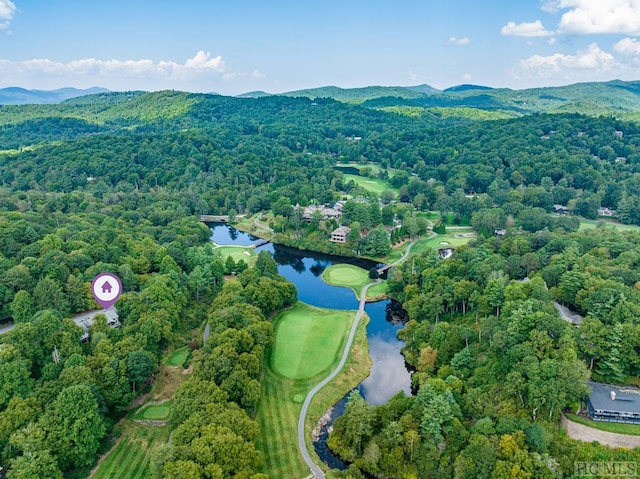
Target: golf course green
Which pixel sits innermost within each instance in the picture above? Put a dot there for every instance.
(155, 412)
(352, 277)
(237, 253)
(308, 340)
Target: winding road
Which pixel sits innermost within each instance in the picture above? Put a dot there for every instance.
(316, 471)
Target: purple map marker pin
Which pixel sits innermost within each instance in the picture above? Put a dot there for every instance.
(106, 289)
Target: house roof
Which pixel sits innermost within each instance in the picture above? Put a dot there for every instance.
(342, 230)
(626, 399)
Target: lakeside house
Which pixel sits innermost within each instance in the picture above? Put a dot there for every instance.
(613, 404)
(340, 235)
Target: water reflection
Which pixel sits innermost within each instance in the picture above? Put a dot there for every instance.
(224, 234)
(304, 268)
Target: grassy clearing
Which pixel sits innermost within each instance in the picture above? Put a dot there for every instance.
(397, 253)
(131, 457)
(281, 402)
(436, 242)
(348, 276)
(378, 290)
(354, 278)
(248, 255)
(155, 412)
(375, 168)
(589, 224)
(177, 358)
(375, 185)
(628, 429)
(308, 340)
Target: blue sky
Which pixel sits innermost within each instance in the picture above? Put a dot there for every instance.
(237, 46)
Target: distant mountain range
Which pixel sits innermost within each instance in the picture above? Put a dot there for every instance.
(618, 98)
(22, 96)
(615, 97)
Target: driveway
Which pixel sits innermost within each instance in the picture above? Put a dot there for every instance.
(588, 434)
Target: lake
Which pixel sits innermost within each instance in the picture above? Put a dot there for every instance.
(389, 373)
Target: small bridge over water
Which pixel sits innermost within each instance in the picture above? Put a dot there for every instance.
(214, 218)
(262, 242)
(385, 268)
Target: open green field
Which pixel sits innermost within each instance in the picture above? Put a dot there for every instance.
(348, 276)
(589, 224)
(308, 340)
(375, 185)
(375, 168)
(237, 253)
(131, 457)
(629, 429)
(378, 290)
(280, 405)
(177, 357)
(355, 278)
(441, 241)
(438, 241)
(155, 412)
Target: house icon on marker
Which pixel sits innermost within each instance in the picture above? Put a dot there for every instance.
(106, 287)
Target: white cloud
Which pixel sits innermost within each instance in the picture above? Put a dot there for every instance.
(198, 73)
(7, 10)
(592, 60)
(531, 29)
(462, 41)
(597, 16)
(628, 46)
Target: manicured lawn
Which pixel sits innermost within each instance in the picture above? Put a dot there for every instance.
(177, 357)
(237, 253)
(629, 429)
(375, 185)
(373, 167)
(308, 340)
(353, 277)
(280, 405)
(277, 417)
(436, 242)
(588, 224)
(131, 457)
(155, 412)
(348, 276)
(378, 290)
(397, 253)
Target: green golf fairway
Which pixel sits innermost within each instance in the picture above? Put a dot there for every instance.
(309, 340)
(348, 276)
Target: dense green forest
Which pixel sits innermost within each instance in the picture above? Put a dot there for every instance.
(476, 331)
(116, 181)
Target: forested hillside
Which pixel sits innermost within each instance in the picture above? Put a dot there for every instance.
(116, 181)
(218, 153)
(494, 363)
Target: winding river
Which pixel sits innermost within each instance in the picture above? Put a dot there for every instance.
(304, 268)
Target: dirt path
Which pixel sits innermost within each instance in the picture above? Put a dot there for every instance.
(588, 434)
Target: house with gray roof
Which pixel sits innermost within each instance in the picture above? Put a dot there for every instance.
(613, 403)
